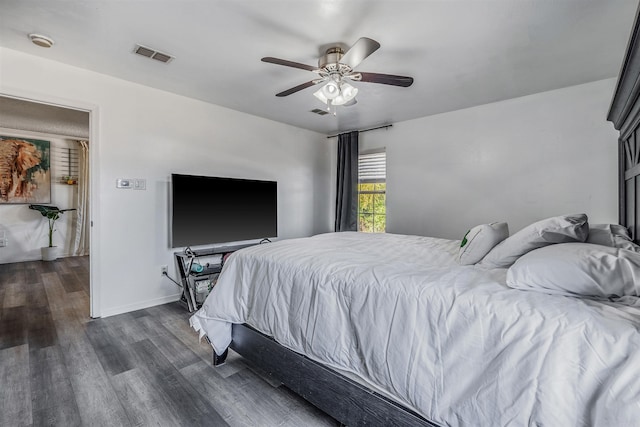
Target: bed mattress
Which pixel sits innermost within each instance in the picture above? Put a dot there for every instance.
(453, 342)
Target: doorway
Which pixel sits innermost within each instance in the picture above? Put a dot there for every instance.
(70, 129)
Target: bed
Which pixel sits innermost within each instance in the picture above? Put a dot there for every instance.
(437, 342)
(448, 344)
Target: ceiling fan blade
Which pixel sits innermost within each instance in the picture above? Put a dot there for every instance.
(359, 51)
(386, 79)
(297, 88)
(286, 63)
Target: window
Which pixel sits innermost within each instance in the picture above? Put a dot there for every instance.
(372, 188)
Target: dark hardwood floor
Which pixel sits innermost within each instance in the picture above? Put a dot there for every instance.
(58, 367)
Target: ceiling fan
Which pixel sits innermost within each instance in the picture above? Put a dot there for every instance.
(335, 68)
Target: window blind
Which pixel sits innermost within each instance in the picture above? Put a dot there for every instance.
(372, 167)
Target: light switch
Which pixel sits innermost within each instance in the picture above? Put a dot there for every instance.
(139, 184)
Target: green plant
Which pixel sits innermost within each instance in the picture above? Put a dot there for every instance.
(52, 213)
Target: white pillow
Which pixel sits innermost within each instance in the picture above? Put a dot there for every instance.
(559, 229)
(480, 240)
(578, 269)
(613, 235)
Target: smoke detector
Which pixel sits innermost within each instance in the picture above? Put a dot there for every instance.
(40, 40)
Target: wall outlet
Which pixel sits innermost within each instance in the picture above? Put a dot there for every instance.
(3, 242)
(164, 270)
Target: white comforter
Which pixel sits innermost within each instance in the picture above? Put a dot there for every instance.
(453, 342)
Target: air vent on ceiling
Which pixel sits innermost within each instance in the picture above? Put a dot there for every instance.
(152, 53)
(319, 111)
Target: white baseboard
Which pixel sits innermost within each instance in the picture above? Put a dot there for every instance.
(106, 312)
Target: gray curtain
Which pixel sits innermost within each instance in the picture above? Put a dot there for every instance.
(347, 193)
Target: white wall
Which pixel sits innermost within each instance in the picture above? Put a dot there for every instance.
(147, 133)
(518, 161)
(27, 230)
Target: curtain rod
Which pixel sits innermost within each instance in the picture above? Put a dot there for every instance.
(366, 130)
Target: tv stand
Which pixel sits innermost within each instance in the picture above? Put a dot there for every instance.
(194, 281)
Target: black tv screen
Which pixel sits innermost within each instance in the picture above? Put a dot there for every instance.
(206, 210)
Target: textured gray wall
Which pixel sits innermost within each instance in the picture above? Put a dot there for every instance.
(36, 117)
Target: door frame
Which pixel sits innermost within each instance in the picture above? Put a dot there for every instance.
(94, 166)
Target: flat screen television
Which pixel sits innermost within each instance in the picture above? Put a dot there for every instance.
(207, 210)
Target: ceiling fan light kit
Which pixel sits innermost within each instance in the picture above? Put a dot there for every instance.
(331, 90)
(336, 94)
(347, 93)
(336, 66)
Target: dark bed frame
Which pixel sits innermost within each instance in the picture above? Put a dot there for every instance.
(347, 401)
(624, 113)
(355, 405)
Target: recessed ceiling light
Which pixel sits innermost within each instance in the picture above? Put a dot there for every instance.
(40, 40)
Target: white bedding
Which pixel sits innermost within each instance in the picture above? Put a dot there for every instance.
(453, 342)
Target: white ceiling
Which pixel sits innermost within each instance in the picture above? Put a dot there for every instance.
(461, 53)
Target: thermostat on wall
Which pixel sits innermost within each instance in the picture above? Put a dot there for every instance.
(124, 183)
(136, 184)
